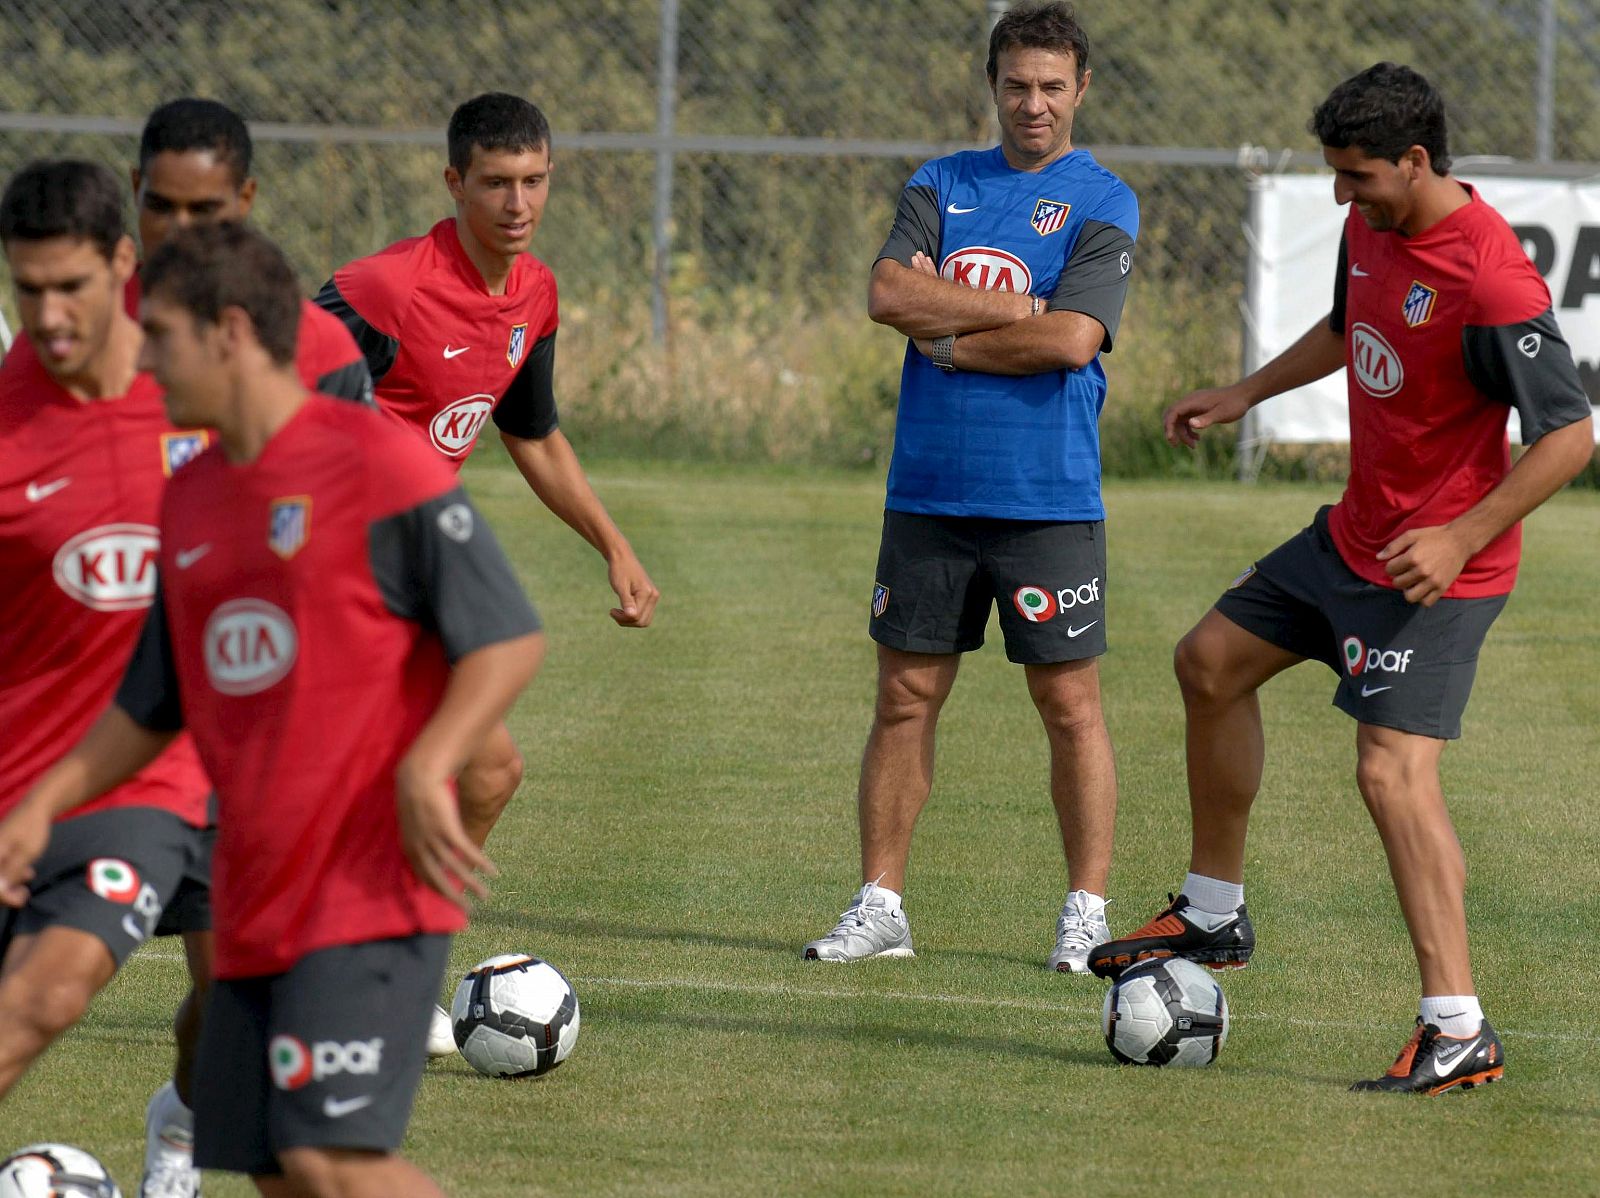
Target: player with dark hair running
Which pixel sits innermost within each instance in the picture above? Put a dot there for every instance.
(459, 328)
(314, 536)
(85, 451)
(1444, 327)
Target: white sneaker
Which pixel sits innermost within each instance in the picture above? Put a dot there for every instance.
(169, 1170)
(1082, 926)
(866, 929)
(441, 1035)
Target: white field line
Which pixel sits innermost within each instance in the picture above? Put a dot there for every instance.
(777, 990)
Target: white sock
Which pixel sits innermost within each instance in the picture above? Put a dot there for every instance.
(1213, 895)
(1453, 1014)
(883, 894)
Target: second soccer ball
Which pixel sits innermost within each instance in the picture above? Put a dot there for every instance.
(515, 1016)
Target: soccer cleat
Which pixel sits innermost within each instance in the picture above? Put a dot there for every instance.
(441, 1035)
(1082, 926)
(866, 929)
(1432, 1062)
(1180, 931)
(169, 1170)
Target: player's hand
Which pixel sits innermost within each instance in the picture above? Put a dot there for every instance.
(1424, 562)
(636, 594)
(434, 840)
(923, 264)
(1199, 410)
(23, 837)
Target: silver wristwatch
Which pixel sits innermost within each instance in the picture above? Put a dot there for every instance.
(944, 353)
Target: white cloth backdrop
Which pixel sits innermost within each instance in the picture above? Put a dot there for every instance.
(1295, 228)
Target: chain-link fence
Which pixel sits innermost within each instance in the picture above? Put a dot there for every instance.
(725, 169)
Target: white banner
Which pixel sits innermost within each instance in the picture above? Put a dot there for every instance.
(1295, 232)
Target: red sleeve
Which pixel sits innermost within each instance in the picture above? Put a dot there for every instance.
(327, 358)
(1508, 288)
(378, 287)
(554, 319)
(403, 471)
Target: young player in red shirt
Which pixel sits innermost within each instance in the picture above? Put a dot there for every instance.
(85, 451)
(338, 629)
(459, 328)
(1444, 326)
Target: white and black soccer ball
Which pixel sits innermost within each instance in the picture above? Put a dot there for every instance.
(1167, 1011)
(55, 1171)
(515, 1016)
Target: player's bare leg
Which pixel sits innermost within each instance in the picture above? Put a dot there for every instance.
(1220, 668)
(1083, 775)
(342, 1173)
(897, 766)
(46, 985)
(198, 949)
(486, 785)
(1398, 773)
(1083, 789)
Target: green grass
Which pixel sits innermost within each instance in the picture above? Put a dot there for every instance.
(688, 821)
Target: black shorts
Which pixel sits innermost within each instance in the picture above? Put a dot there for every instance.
(108, 873)
(190, 908)
(326, 1055)
(938, 575)
(1400, 665)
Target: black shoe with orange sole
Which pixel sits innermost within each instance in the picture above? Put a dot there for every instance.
(1173, 934)
(1432, 1062)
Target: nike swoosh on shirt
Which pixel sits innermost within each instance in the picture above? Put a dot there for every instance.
(36, 492)
(1368, 691)
(1355, 269)
(455, 353)
(1085, 628)
(185, 558)
(338, 1108)
(959, 211)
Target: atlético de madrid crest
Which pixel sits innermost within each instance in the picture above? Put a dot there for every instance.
(179, 449)
(290, 525)
(1418, 305)
(1049, 215)
(517, 344)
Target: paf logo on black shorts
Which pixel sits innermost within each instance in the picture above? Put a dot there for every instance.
(113, 880)
(294, 1065)
(1037, 605)
(1358, 659)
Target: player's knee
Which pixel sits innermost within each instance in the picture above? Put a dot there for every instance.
(313, 1171)
(44, 1007)
(1201, 670)
(485, 787)
(906, 697)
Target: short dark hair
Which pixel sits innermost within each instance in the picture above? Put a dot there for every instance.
(63, 197)
(1383, 112)
(206, 268)
(495, 121)
(188, 125)
(1040, 27)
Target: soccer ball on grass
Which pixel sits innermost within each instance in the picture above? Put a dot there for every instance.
(55, 1171)
(1167, 1011)
(514, 1016)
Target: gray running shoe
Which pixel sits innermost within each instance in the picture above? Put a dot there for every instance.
(867, 929)
(169, 1170)
(1082, 926)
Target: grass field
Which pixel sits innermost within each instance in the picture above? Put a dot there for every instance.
(688, 821)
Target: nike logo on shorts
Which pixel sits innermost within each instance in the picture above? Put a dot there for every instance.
(338, 1108)
(1080, 631)
(1368, 691)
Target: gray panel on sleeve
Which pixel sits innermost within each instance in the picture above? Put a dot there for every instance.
(379, 349)
(440, 565)
(916, 226)
(1095, 278)
(1341, 283)
(149, 688)
(352, 381)
(528, 408)
(1528, 366)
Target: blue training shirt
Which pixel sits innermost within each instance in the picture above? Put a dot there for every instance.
(1016, 447)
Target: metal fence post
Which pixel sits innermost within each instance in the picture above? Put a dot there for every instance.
(666, 113)
(1545, 138)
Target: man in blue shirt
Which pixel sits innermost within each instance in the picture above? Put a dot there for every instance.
(1007, 269)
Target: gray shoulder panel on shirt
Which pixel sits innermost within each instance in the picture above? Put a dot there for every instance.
(1528, 366)
(1095, 278)
(148, 691)
(917, 225)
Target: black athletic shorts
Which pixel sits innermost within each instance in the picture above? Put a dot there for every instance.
(326, 1055)
(1400, 665)
(190, 908)
(108, 873)
(938, 575)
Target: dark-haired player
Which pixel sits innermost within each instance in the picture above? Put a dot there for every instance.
(1007, 269)
(85, 451)
(338, 629)
(459, 328)
(1444, 327)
